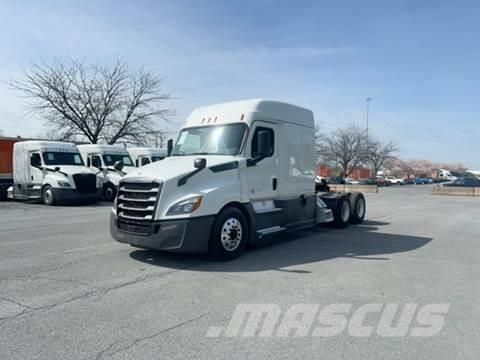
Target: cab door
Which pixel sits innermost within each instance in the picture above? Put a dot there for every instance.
(94, 162)
(36, 174)
(262, 169)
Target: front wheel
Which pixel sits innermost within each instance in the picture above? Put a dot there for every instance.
(48, 197)
(229, 235)
(109, 192)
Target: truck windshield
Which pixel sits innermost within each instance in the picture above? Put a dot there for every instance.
(111, 159)
(210, 140)
(62, 158)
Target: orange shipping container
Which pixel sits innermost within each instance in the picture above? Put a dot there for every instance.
(6, 155)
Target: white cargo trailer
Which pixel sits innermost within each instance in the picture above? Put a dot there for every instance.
(239, 173)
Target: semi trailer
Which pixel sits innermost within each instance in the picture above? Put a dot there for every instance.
(6, 165)
(50, 171)
(239, 174)
(110, 162)
(145, 155)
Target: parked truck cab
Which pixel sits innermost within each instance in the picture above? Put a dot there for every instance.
(146, 155)
(239, 173)
(110, 163)
(53, 172)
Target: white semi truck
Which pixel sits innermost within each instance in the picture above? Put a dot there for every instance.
(239, 173)
(53, 172)
(110, 162)
(145, 155)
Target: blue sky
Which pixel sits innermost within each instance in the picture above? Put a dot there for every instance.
(418, 60)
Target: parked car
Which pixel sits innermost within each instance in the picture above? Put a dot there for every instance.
(336, 180)
(423, 181)
(369, 181)
(409, 181)
(351, 181)
(394, 180)
(382, 182)
(464, 182)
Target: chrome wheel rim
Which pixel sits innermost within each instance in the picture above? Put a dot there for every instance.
(231, 234)
(48, 196)
(345, 211)
(360, 208)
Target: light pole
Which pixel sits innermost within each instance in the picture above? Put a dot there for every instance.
(368, 99)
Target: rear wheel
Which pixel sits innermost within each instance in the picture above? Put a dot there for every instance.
(48, 197)
(229, 235)
(357, 201)
(342, 212)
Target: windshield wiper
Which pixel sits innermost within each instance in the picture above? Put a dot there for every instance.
(52, 170)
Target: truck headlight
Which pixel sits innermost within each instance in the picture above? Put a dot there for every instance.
(99, 182)
(185, 206)
(64, 184)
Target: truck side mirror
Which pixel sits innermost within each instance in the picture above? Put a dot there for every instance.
(200, 163)
(169, 146)
(118, 165)
(96, 162)
(264, 143)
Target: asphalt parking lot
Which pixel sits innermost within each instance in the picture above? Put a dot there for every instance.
(67, 291)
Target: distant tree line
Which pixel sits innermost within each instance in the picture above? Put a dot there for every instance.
(350, 147)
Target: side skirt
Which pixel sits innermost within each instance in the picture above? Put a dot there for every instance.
(273, 218)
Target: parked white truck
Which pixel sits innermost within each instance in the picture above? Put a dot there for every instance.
(239, 173)
(53, 172)
(110, 162)
(145, 155)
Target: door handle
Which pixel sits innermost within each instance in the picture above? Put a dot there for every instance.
(274, 184)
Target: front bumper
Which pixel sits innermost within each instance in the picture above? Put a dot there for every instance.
(65, 195)
(183, 235)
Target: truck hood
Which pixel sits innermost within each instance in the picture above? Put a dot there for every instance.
(72, 169)
(172, 167)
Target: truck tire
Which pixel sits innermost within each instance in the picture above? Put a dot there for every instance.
(358, 203)
(109, 192)
(3, 192)
(48, 197)
(229, 235)
(342, 212)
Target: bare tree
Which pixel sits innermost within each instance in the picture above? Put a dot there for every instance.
(346, 147)
(99, 103)
(380, 153)
(55, 135)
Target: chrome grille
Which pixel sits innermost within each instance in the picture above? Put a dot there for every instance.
(137, 200)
